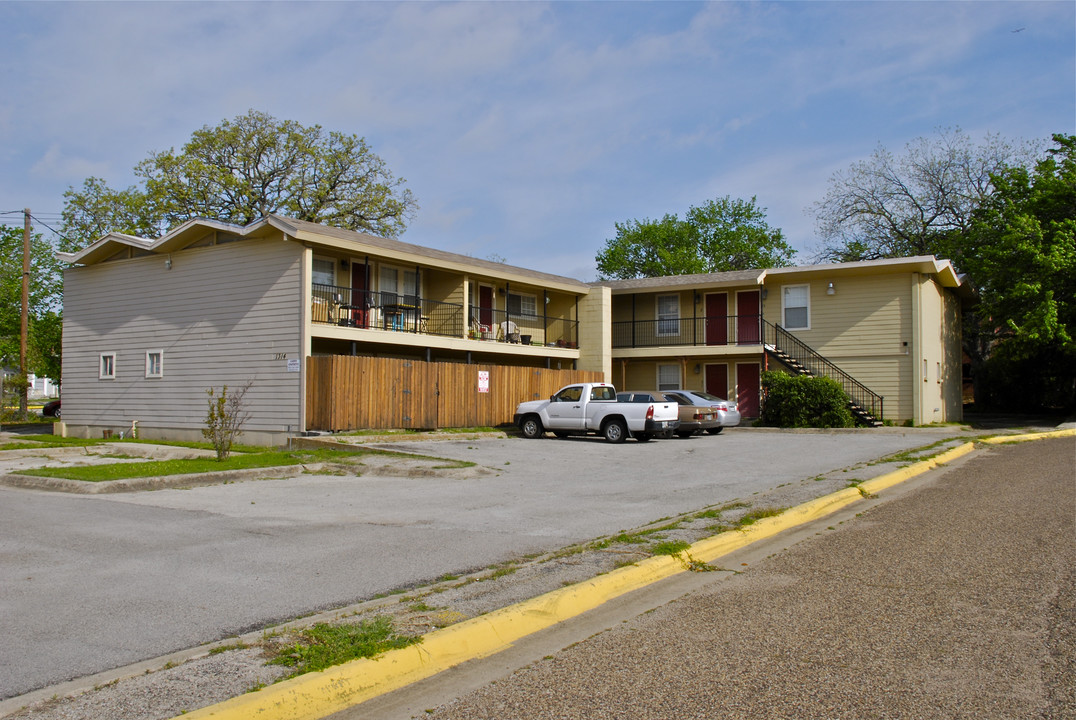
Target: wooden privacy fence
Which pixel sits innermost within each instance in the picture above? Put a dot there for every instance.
(345, 392)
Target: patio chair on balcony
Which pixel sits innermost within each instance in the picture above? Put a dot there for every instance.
(508, 332)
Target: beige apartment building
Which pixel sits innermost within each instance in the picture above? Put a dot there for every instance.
(150, 324)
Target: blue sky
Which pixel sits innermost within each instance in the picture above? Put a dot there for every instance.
(526, 130)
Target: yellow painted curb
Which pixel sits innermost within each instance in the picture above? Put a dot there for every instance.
(316, 695)
(1000, 439)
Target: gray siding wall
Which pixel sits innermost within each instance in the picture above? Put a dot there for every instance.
(221, 315)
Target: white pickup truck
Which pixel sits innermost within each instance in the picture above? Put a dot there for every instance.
(593, 408)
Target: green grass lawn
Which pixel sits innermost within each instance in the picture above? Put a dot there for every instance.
(158, 468)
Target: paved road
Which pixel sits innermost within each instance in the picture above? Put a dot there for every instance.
(954, 599)
(89, 583)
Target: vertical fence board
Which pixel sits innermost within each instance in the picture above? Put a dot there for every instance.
(345, 392)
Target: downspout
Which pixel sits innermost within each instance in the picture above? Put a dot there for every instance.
(918, 372)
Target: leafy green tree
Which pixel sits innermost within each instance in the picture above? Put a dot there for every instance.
(1020, 252)
(244, 169)
(717, 236)
(914, 204)
(46, 298)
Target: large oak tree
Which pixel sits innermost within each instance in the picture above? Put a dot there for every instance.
(241, 170)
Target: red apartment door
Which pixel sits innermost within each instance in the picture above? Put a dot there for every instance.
(717, 323)
(358, 294)
(748, 316)
(717, 380)
(485, 306)
(747, 389)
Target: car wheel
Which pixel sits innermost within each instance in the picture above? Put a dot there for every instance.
(685, 435)
(715, 431)
(642, 437)
(615, 431)
(531, 427)
(56, 413)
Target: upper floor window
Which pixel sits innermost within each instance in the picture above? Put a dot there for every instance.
(522, 305)
(796, 307)
(323, 272)
(395, 281)
(107, 366)
(668, 315)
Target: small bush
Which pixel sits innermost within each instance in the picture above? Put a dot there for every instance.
(225, 419)
(803, 401)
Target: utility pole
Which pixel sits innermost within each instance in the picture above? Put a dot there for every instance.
(25, 330)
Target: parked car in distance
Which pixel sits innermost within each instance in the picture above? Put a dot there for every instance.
(593, 408)
(51, 409)
(728, 415)
(693, 418)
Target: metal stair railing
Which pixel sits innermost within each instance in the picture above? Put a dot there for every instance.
(799, 356)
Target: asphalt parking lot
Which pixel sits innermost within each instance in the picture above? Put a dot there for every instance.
(91, 582)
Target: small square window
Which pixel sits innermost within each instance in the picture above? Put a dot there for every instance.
(107, 366)
(155, 364)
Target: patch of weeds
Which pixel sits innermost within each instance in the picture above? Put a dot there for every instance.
(753, 516)
(500, 572)
(225, 648)
(323, 645)
(692, 564)
(421, 606)
(669, 547)
(447, 617)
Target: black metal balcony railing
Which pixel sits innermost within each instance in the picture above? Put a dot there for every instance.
(793, 352)
(714, 330)
(487, 324)
(335, 305)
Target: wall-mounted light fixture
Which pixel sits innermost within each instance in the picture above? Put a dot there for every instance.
(168, 263)
(698, 297)
(830, 290)
(500, 291)
(765, 292)
(546, 299)
(343, 264)
(698, 368)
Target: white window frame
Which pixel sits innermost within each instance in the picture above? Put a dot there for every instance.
(106, 366)
(528, 304)
(399, 278)
(785, 307)
(314, 271)
(666, 325)
(667, 385)
(151, 372)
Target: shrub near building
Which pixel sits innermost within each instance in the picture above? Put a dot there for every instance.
(803, 401)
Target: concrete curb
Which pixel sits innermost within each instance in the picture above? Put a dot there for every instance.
(80, 487)
(317, 695)
(1002, 439)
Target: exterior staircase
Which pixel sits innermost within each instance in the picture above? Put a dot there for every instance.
(801, 359)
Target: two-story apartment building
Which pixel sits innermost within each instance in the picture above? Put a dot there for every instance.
(150, 324)
(888, 330)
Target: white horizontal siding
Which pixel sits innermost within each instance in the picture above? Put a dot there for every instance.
(220, 315)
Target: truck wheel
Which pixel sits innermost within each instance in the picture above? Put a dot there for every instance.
(615, 431)
(531, 427)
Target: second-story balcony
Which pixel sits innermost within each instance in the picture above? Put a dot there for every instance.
(395, 312)
(676, 332)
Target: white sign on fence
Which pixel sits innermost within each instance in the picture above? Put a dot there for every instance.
(483, 381)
